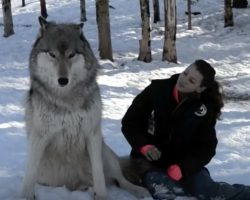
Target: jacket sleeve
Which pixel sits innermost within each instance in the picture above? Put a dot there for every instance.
(135, 121)
(205, 149)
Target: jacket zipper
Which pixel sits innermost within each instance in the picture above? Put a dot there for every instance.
(172, 114)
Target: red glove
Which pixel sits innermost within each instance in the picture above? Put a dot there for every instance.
(174, 172)
(150, 152)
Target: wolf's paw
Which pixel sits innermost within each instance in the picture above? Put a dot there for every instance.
(29, 197)
(97, 197)
(141, 192)
(28, 194)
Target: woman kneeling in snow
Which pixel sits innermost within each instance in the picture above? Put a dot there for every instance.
(171, 129)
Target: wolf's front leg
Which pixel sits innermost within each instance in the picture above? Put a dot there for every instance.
(94, 146)
(36, 148)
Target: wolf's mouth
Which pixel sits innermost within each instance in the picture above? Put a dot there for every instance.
(63, 81)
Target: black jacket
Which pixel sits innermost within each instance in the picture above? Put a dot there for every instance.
(184, 133)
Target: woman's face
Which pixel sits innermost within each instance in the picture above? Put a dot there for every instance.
(190, 80)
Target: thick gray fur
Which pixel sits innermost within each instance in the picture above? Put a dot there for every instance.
(63, 117)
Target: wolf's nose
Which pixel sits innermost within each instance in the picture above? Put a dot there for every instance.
(63, 81)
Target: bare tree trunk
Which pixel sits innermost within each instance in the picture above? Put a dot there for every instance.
(102, 17)
(7, 18)
(43, 9)
(145, 42)
(83, 17)
(156, 11)
(169, 48)
(189, 15)
(23, 3)
(228, 15)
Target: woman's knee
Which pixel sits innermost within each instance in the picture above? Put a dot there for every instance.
(161, 186)
(201, 185)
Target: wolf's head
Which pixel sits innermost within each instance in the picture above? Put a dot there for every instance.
(61, 57)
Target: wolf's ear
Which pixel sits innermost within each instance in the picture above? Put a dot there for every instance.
(80, 26)
(43, 22)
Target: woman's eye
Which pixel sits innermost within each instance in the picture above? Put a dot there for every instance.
(72, 55)
(52, 55)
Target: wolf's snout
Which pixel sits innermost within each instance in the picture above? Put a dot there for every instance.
(63, 81)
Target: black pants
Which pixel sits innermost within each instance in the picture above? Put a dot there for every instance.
(200, 185)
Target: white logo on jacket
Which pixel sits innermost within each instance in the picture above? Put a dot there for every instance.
(151, 123)
(202, 111)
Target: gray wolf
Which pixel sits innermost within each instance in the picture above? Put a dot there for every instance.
(63, 117)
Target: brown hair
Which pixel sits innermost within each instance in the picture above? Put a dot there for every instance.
(213, 88)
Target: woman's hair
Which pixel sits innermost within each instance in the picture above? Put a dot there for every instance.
(213, 88)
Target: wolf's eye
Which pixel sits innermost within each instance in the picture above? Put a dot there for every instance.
(71, 55)
(52, 55)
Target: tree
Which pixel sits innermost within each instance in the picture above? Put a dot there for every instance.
(83, 17)
(102, 18)
(43, 9)
(156, 11)
(169, 48)
(23, 3)
(228, 15)
(145, 42)
(7, 18)
(189, 14)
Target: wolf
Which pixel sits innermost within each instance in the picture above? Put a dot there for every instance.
(63, 113)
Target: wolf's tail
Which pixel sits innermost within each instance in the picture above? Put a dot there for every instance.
(133, 169)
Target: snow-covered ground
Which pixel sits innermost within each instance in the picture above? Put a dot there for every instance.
(227, 49)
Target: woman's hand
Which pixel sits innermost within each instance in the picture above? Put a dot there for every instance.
(174, 172)
(151, 152)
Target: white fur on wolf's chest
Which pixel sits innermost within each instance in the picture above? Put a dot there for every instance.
(68, 126)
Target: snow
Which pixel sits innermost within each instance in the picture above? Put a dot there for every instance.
(227, 49)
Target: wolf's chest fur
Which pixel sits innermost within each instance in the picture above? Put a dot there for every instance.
(69, 125)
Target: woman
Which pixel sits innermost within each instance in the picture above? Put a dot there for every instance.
(171, 127)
